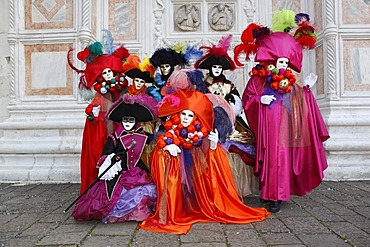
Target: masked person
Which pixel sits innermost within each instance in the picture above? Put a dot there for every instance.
(164, 59)
(191, 170)
(141, 74)
(241, 146)
(103, 78)
(285, 119)
(126, 191)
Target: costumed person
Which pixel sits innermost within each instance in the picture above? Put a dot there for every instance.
(102, 82)
(191, 170)
(284, 116)
(141, 74)
(164, 59)
(126, 192)
(216, 60)
(245, 181)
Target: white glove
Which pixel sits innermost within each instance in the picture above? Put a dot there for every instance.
(96, 110)
(310, 80)
(113, 171)
(267, 99)
(173, 149)
(213, 138)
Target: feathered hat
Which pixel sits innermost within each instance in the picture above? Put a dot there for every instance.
(133, 68)
(167, 56)
(250, 38)
(188, 99)
(142, 107)
(271, 45)
(216, 55)
(96, 61)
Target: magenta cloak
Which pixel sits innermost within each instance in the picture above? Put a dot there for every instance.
(289, 135)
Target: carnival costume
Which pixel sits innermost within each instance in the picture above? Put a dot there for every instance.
(284, 117)
(102, 77)
(128, 192)
(240, 143)
(197, 184)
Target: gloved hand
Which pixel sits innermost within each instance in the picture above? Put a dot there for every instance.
(310, 80)
(267, 99)
(173, 149)
(96, 110)
(113, 171)
(213, 138)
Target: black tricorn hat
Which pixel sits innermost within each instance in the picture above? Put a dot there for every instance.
(216, 55)
(137, 73)
(142, 107)
(211, 60)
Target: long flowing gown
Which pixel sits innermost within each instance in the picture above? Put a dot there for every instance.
(196, 186)
(290, 157)
(130, 195)
(93, 140)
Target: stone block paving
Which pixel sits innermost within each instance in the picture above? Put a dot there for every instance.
(334, 214)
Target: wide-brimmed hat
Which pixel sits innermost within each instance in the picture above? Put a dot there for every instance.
(188, 99)
(142, 107)
(96, 61)
(216, 55)
(137, 73)
(134, 68)
(167, 56)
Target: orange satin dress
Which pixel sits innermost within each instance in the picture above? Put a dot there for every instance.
(213, 196)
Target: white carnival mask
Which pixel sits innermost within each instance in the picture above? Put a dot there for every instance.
(107, 74)
(165, 68)
(186, 117)
(282, 63)
(139, 83)
(216, 70)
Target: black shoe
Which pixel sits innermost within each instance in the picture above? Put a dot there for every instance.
(263, 200)
(274, 207)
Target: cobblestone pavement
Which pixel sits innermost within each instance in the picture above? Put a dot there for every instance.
(334, 214)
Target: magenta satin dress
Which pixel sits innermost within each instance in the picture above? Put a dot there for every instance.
(290, 157)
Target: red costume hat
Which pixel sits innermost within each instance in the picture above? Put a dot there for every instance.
(96, 61)
(192, 100)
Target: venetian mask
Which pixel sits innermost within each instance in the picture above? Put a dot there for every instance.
(107, 74)
(282, 63)
(139, 83)
(128, 122)
(165, 68)
(216, 70)
(186, 117)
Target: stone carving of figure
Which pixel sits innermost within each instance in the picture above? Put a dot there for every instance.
(221, 17)
(188, 17)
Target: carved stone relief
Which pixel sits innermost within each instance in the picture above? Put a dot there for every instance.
(221, 17)
(187, 17)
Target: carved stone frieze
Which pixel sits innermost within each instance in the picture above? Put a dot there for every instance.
(221, 17)
(188, 17)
